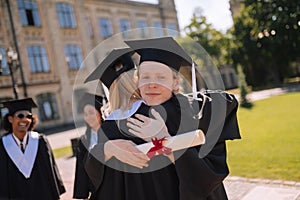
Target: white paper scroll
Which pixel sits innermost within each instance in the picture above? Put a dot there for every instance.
(178, 142)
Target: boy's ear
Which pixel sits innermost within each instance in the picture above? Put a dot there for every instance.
(176, 84)
(10, 119)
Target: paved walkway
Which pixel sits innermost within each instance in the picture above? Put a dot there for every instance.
(237, 188)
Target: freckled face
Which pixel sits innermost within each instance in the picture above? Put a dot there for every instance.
(156, 82)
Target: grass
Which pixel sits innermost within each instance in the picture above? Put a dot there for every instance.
(63, 152)
(270, 145)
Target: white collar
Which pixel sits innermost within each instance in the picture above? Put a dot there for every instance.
(93, 138)
(23, 161)
(124, 114)
(24, 142)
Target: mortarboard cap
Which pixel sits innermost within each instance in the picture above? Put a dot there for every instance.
(91, 99)
(164, 50)
(20, 104)
(107, 71)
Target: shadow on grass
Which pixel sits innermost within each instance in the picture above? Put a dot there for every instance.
(247, 105)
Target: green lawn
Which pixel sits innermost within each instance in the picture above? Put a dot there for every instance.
(63, 152)
(270, 144)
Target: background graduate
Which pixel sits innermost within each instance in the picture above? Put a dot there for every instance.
(27, 167)
(90, 104)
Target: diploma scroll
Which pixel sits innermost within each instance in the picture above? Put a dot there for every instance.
(178, 142)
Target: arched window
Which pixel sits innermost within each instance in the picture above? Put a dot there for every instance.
(47, 107)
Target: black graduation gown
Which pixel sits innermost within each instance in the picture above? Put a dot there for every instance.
(201, 177)
(44, 182)
(82, 183)
(193, 178)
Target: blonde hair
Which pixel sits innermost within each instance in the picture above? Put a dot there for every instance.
(123, 91)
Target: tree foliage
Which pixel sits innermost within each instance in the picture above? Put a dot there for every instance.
(266, 36)
(213, 41)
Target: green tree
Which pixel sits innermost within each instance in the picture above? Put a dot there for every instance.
(243, 87)
(213, 41)
(266, 35)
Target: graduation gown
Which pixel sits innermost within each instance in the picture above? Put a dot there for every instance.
(191, 177)
(82, 184)
(44, 181)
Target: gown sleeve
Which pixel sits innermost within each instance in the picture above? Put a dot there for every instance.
(94, 161)
(57, 178)
(81, 182)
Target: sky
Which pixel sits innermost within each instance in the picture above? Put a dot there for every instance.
(216, 12)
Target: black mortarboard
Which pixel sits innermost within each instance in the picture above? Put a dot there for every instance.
(91, 99)
(20, 104)
(164, 50)
(106, 70)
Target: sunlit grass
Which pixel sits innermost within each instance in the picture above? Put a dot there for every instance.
(270, 145)
(63, 152)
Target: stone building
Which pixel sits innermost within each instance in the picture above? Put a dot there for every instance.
(53, 37)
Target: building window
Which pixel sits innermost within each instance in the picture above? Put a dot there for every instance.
(4, 67)
(143, 32)
(65, 15)
(38, 59)
(3, 112)
(47, 107)
(124, 26)
(158, 31)
(105, 27)
(73, 56)
(29, 13)
(172, 31)
(89, 27)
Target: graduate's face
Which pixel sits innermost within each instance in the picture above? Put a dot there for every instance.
(92, 117)
(156, 82)
(20, 121)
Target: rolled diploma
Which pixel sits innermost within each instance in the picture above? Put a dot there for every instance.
(178, 142)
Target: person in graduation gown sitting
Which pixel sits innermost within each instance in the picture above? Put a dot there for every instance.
(135, 177)
(91, 105)
(28, 170)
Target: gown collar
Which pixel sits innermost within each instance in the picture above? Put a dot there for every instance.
(124, 114)
(23, 161)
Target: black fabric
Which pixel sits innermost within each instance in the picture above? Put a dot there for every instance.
(44, 182)
(83, 185)
(19, 104)
(163, 49)
(91, 99)
(106, 71)
(192, 176)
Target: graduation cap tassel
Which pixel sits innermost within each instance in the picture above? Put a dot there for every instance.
(194, 83)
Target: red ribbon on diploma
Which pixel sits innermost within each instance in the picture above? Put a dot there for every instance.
(158, 148)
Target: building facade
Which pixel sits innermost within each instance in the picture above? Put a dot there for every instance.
(52, 38)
